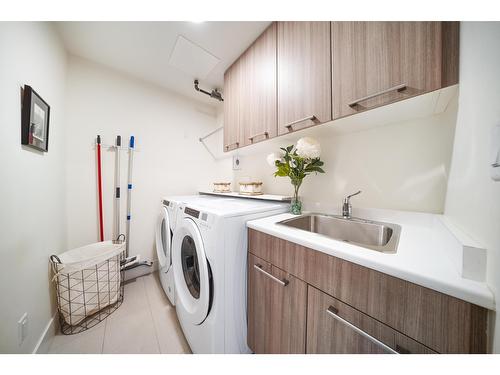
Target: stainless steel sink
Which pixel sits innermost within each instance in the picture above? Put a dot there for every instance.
(383, 237)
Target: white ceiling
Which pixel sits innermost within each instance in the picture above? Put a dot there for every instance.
(143, 49)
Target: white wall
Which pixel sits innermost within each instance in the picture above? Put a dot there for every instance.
(32, 214)
(473, 199)
(170, 159)
(399, 166)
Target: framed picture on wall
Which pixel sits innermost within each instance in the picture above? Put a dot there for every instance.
(35, 120)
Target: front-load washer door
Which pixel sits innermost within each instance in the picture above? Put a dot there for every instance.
(164, 239)
(191, 272)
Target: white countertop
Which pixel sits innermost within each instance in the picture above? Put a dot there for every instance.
(420, 257)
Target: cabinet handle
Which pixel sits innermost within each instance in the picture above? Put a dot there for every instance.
(258, 134)
(283, 282)
(395, 88)
(333, 312)
(235, 143)
(290, 125)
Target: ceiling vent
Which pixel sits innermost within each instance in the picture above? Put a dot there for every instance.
(192, 59)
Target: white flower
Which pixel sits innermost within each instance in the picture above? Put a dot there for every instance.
(308, 148)
(272, 158)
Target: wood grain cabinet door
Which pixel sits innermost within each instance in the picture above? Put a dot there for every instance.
(365, 62)
(258, 304)
(420, 56)
(288, 314)
(334, 327)
(277, 304)
(304, 75)
(377, 63)
(232, 105)
(258, 113)
(429, 55)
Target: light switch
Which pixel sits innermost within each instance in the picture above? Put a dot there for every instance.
(22, 328)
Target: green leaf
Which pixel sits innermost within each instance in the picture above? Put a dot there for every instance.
(315, 169)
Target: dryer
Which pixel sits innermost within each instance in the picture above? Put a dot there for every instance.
(165, 227)
(209, 260)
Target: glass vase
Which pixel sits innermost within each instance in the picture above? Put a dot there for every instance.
(296, 206)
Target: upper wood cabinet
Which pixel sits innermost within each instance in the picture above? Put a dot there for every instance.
(232, 104)
(300, 74)
(258, 116)
(365, 58)
(376, 63)
(304, 75)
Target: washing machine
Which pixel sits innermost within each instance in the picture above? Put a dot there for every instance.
(209, 259)
(165, 228)
(164, 232)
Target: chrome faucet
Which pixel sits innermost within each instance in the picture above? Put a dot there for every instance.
(346, 206)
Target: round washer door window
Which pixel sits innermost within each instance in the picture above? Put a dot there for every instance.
(163, 239)
(190, 266)
(191, 273)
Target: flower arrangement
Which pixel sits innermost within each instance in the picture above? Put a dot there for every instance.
(296, 162)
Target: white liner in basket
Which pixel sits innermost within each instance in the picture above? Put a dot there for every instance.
(88, 279)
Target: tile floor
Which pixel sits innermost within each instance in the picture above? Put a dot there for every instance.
(145, 323)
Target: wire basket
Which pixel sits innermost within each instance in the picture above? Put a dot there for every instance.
(89, 284)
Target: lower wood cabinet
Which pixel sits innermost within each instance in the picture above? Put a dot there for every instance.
(335, 327)
(304, 301)
(277, 304)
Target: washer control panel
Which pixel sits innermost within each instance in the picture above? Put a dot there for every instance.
(192, 212)
(203, 216)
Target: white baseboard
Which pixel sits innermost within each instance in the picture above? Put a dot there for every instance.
(42, 346)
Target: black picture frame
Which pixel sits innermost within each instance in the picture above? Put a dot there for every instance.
(35, 118)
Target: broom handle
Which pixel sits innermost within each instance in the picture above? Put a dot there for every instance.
(99, 188)
(129, 189)
(117, 187)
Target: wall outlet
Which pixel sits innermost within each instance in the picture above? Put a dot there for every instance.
(236, 163)
(22, 328)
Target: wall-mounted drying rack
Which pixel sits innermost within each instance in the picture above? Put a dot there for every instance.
(202, 140)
